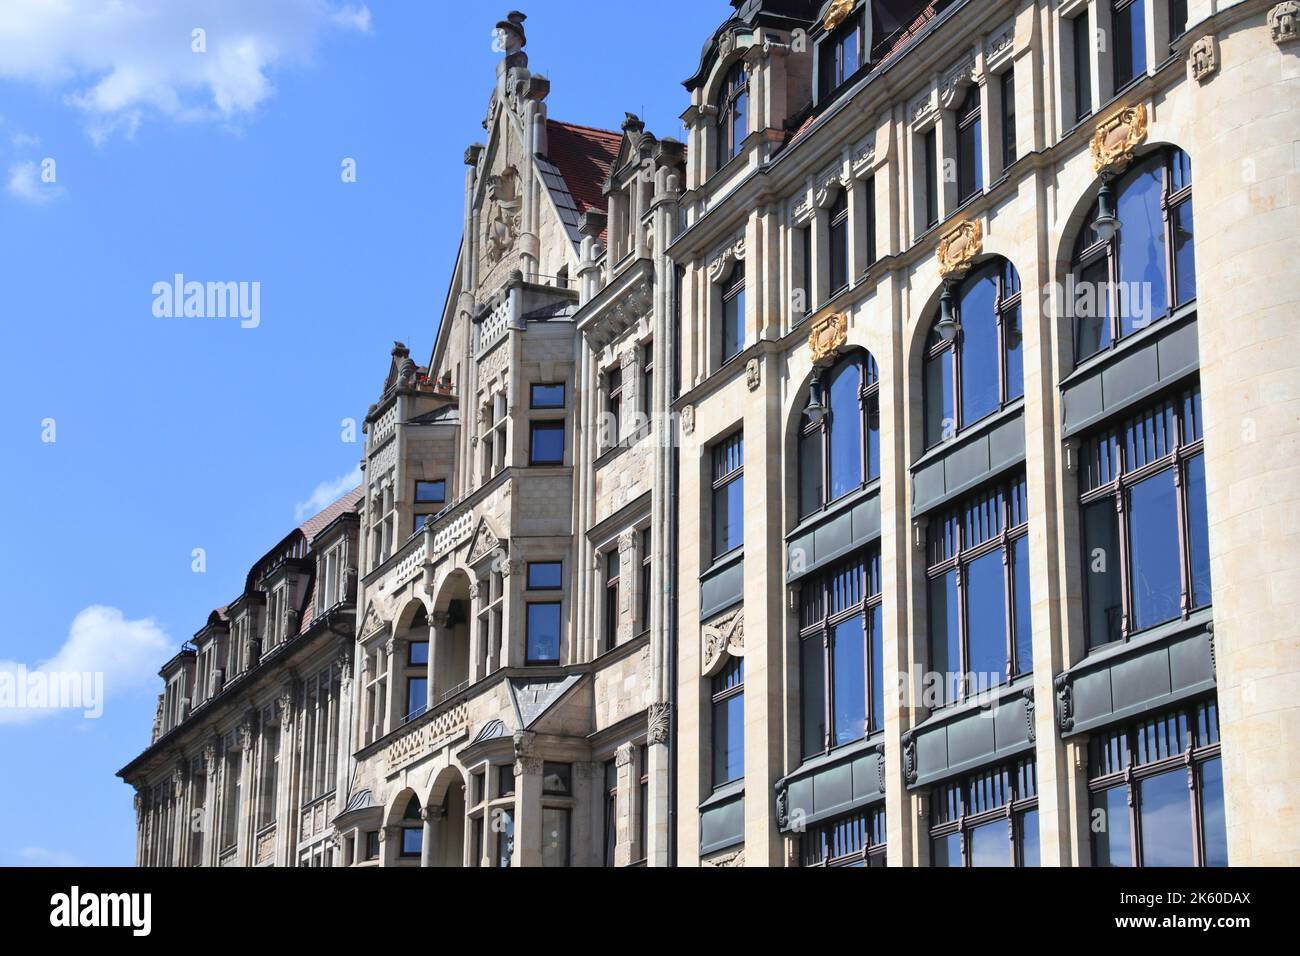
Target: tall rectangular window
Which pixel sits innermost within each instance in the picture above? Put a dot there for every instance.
(733, 314)
(646, 565)
(1128, 25)
(1081, 34)
(841, 56)
(546, 443)
(543, 633)
(931, 153)
(612, 564)
(869, 207)
(614, 405)
(611, 811)
(839, 243)
(728, 495)
(970, 146)
(728, 694)
(556, 825)
(648, 379)
(1145, 524)
(1007, 87)
(1177, 18)
(977, 597)
(841, 637)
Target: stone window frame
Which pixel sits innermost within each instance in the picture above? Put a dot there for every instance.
(733, 97)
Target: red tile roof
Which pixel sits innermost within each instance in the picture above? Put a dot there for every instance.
(319, 521)
(584, 156)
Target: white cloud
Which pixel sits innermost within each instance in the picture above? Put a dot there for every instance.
(326, 493)
(101, 641)
(123, 61)
(40, 856)
(21, 140)
(25, 183)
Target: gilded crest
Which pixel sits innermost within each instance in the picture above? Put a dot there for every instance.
(827, 335)
(1116, 138)
(836, 14)
(958, 248)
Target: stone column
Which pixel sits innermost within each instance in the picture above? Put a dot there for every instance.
(625, 824)
(285, 811)
(657, 753)
(247, 828)
(429, 844)
(528, 803)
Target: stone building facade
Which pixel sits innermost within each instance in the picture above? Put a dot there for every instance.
(899, 471)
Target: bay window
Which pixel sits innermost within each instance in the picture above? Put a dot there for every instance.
(1144, 521)
(987, 819)
(1156, 791)
(841, 655)
(980, 632)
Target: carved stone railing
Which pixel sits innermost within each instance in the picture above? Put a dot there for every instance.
(264, 851)
(316, 818)
(426, 735)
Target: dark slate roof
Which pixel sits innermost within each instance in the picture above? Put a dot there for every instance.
(576, 169)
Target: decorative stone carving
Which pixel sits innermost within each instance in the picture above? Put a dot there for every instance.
(1116, 138)
(658, 723)
(723, 637)
(958, 248)
(485, 542)
(735, 858)
(623, 756)
(1203, 58)
(956, 81)
(753, 374)
(999, 44)
(626, 541)
(1284, 22)
(372, 624)
(880, 766)
(829, 185)
(503, 220)
(1029, 714)
(210, 759)
(909, 758)
(246, 731)
(688, 420)
(723, 262)
(1064, 703)
(179, 774)
(837, 12)
(827, 335)
(285, 704)
(782, 807)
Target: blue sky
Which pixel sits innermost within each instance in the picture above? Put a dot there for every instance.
(173, 434)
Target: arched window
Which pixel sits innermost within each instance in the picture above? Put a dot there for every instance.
(839, 442)
(1140, 265)
(733, 110)
(977, 369)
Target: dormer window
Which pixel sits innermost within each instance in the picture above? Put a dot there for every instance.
(733, 109)
(840, 56)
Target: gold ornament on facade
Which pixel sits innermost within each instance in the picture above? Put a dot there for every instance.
(1116, 138)
(958, 248)
(827, 335)
(836, 14)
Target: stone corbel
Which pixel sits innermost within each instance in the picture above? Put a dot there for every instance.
(725, 261)
(721, 640)
(658, 724)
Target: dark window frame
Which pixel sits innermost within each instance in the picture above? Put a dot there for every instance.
(613, 577)
(646, 576)
(833, 67)
(535, 404)
(1091, 250)
(856, 839)
(545, 425)
(868, 405)
(529, 660)
(733, 111)
(424, 500)
(1114, 762)
(817, 621)
(952, 803)
(530, 586)
(614, 401)
(1006, 305)
(726, 686)
(1007, 96)
(1081, 37)
(1107, 474)
(733, 313)
(970, 156)
(837, 252)
(930, 147)
(733, 446)
(1121, 31)
(947, 551)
